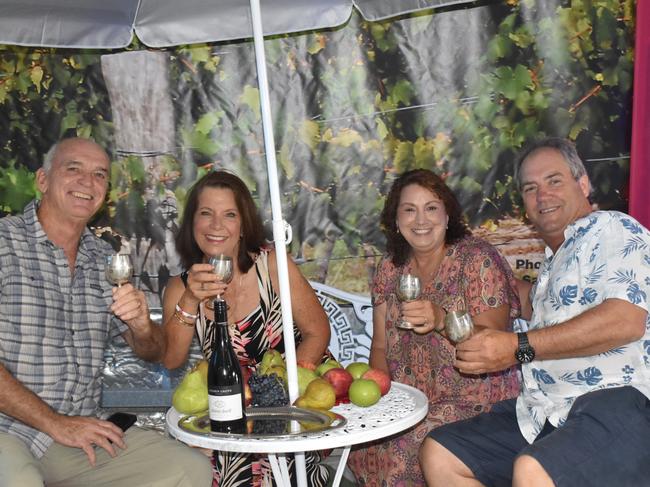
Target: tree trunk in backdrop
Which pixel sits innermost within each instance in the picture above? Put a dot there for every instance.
(640, 153)
(143, 114)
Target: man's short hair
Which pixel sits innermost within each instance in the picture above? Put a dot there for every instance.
(49, 155)
(49, 158)
(564, 147)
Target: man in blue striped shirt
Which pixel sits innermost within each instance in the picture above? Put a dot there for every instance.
(57, 314)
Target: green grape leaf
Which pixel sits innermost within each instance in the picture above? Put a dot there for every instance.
(402, 92)
(251, 98)
(423, 153)
(310, 133)
(199, 142)
(200, 53)
(468, 185)
(135, 168)
(70, 120)
(286, 162)
(499, 47)
(402, 156)
(346, 137)
(576, 128)
(17, 187)
(485, 109)
(511, 83)
(522, 101)
(382, 130)
(209, 121)
(521, 38)
(318, 44)
(23, 82)
(36, 76)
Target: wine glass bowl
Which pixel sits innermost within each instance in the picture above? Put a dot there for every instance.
(408, 289)
(458, 326)
(223, 269)
(118, 268)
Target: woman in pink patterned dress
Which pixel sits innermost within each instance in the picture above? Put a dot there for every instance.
(426, 236)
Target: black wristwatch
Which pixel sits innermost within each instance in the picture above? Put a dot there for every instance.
(525, 353)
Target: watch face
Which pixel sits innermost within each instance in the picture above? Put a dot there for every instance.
(525, 355)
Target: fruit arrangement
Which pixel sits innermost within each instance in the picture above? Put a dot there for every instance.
(320, 387)
(357, 383)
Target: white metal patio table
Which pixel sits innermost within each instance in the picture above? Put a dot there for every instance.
(403, 407)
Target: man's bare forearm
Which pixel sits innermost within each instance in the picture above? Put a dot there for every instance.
(149, 345)
(22, 404)
(611, 324)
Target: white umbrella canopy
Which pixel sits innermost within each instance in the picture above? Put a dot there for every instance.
(95, 24)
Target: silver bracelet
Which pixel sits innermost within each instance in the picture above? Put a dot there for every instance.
(185, 314)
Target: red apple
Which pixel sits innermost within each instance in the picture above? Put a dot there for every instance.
(340, 380)
(381, 378)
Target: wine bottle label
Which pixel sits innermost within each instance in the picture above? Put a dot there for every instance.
(226, 407)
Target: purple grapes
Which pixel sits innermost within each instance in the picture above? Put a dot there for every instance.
(268, 391)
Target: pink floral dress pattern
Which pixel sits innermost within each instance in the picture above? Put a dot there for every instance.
(472, 276)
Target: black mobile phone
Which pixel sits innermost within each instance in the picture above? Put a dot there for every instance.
(123, 420)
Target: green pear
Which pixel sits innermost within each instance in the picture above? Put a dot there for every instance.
(271, 358)
(305, 376)
(330, 363)
(191, 395)
(202, 365)
(319, 394)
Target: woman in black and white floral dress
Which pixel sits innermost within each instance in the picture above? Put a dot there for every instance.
(220, 217)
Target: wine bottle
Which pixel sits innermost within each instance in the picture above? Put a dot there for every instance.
(225, 383)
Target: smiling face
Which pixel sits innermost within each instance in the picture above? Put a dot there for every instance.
(217, 222)
(422, 218)
(75, 185)
(553, 199)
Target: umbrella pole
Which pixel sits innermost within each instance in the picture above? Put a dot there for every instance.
(278, 222)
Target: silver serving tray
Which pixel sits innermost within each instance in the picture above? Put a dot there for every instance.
(265, 423)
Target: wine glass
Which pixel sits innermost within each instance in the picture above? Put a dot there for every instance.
(458, 326)
(223, 269)
(408, 289)
(119, 268)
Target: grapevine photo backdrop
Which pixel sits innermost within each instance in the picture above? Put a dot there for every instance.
(458, 89)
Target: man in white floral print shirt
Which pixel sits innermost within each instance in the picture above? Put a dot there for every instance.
(583, 415)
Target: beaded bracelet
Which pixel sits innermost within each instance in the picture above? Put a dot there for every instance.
(181, 320)
(185, 314)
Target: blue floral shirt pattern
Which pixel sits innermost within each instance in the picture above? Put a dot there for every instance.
(605, 255)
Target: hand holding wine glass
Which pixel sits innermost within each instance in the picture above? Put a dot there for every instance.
(223, 269)
(129, 303)
(408, 289)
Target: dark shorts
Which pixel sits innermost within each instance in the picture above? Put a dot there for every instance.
(605, 441)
